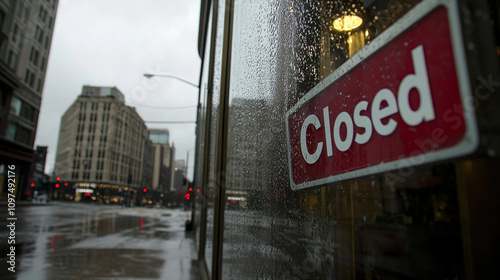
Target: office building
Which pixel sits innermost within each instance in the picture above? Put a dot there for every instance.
(163, 157)
(26, 29)
(103, 141)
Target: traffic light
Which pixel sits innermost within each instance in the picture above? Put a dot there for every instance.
(144, 190)
(189, 192)
(58, 181)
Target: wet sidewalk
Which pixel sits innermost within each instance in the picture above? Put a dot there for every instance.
(85, 241)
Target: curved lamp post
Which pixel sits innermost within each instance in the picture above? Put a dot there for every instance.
(150, 75)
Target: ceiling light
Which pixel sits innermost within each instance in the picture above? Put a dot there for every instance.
(347, 23)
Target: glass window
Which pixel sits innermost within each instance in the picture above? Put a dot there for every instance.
(212, 186)
(28, 112)
(385, 226)
(12, 59)
(11, 131)
(42, 64)
(16, 35)
(47, 41)
(39, 34)
(24, 136)
(39, 85)
(15, 106)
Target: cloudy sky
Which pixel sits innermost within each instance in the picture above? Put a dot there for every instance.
(112, 43)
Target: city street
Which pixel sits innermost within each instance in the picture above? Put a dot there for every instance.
(88, 241)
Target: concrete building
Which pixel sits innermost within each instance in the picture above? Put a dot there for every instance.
(26, 29)
(103, 141)
(163, 157)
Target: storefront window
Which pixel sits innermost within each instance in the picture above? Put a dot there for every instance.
(385, 226)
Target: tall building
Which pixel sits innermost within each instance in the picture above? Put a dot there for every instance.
(163, 157)
(103, 141)
(26, 28)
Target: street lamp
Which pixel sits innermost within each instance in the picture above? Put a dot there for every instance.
(150, 75)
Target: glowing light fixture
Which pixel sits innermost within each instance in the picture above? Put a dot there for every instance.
(347, 23)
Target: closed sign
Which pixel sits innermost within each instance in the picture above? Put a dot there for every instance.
(399, 102)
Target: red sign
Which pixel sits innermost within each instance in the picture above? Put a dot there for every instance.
(397, 103)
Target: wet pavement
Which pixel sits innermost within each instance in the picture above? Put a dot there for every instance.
(85, 241)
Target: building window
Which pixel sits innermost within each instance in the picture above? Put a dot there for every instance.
(16, 35)
(11, 131)
(39, 34)
(39, 85)
(46, 42)
(12, 59)
(21, 10)
(24, 136)
(15, 106)
(42, 14)
(34, 56)
(42, 64)
(23, 13)
(28, 112)
(29, 78)
(32, 79)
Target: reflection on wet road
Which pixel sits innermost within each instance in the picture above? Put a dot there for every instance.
(83, 241)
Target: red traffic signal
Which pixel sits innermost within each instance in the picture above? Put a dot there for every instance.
(57, 185)
(58, 179)
(32, 185)
(144, 190)
(187, 196)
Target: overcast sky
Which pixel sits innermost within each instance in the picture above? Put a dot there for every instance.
(112, 43)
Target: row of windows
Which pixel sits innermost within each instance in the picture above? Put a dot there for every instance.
(93, 117)
(43, 15)
(94, 106)
(79, 139)
(29, 79)
(89, 152)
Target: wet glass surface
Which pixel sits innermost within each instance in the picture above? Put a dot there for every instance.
(390, 226)
(85, 241)
(211, 186)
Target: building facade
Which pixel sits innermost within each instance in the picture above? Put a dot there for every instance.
(26, 29)
(365, 132)
(104, 141)
(163, 158)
